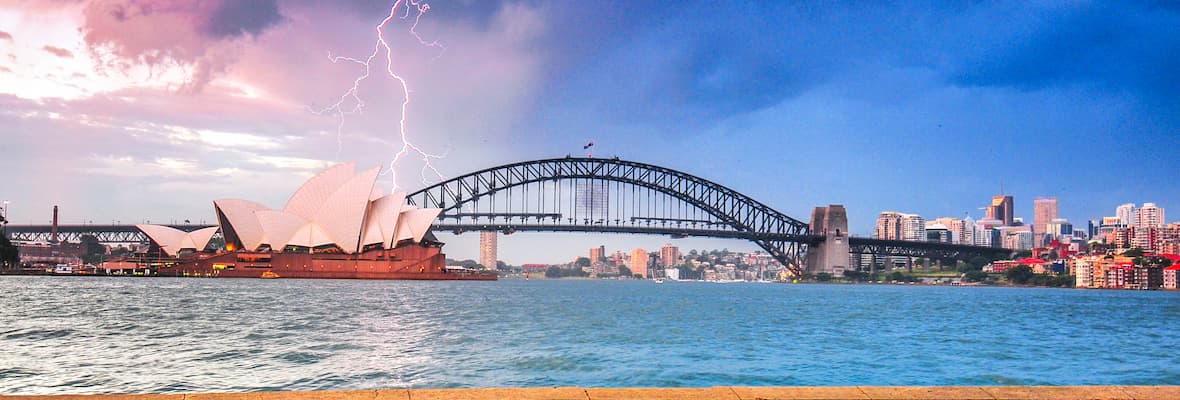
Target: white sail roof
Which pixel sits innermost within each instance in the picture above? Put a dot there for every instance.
(279, 227)
(172, 240)
(313, 195)
(311, 235)
(334, 207)
(420, 220)
(344, 213)
(381, 223)
(404, 229)
(240, 216)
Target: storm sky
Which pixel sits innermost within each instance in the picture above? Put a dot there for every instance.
(136, 110)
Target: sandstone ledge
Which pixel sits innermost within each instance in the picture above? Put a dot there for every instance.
(713, 393)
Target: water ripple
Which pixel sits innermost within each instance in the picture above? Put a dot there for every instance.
(126, 335)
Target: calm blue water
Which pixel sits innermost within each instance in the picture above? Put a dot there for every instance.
(104, 335)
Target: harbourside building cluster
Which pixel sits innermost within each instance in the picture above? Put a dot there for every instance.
(1134, 249)
(1141, 227)
(669, 262)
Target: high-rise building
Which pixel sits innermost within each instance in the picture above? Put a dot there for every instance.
(487, 249)
(987, 233)
(639, 260)
(597, 254)
(913, 227)
(1149, 216)
(1126, 214)
(1002, 208)
(937, 232)
(959, 232)
(1146, 238)
(669, 255)
(888, 226)
(892, 225)
(1058, 228)
(968, 235)
(1044, 212)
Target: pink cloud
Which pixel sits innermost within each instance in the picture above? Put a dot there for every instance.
(58, 51)
(5, 35)
(203, 35)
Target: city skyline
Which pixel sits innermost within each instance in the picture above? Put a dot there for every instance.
(1061, 100)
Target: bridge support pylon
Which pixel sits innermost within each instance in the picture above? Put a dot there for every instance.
(832, 254)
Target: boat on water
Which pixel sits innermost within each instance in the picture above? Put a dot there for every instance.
(659, 280)
(336, 226)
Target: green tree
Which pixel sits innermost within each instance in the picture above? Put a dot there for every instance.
(582, 262)
(898, 276)
(975, 276)
(1020, 274)
(9, 253)
(624, 271)
(1022, 254)
(855, 276)
(823, 277)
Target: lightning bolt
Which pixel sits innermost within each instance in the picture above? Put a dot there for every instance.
(352, 95)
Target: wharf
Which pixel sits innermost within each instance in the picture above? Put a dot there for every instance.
(713, 393)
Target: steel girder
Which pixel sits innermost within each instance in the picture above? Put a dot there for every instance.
(106, 234)
(908, 248)
(783, 237)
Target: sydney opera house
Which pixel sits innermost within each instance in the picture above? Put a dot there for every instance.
(335, 226)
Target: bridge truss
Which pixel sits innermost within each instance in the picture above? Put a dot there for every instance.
(945, 251)
(105, 234)
(610, 195)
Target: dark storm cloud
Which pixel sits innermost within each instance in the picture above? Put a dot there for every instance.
(241, 17)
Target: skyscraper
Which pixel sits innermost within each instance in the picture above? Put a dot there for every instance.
(913, 227)
(960, 231)
(639, 260)
(1044, 212)
(888, 226)
(487, 249)
(893, 225)
(597, 254)
(1126, 214)
(1002, 209)
(1149, 216)
(669, 255)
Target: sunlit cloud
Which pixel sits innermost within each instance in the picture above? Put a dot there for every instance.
(58, 51)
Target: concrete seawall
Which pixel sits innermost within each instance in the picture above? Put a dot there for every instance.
(713, 393)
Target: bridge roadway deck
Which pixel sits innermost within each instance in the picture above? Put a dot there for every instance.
(713, 393)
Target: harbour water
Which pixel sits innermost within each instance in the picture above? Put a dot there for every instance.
(129, 335)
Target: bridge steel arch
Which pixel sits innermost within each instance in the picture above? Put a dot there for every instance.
(734, 215)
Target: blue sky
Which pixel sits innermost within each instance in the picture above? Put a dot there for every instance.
(915, 107)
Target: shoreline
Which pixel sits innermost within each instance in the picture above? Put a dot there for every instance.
(710, 393)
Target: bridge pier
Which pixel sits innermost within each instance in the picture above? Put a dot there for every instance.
(830, 255)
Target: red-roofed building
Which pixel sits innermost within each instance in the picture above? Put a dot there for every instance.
(1170, 277)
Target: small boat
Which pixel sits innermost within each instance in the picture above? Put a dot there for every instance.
(659, 280)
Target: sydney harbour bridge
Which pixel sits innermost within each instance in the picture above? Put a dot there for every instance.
(574, 194)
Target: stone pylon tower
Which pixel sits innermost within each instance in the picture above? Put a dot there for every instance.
(831, 255)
